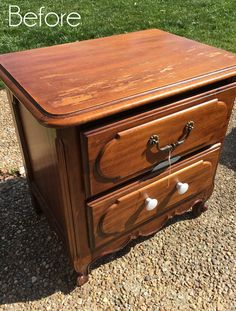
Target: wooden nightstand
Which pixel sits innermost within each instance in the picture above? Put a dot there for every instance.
(100, 120)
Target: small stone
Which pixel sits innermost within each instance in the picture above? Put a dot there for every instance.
(33, 279)
(22, 171)
(105, 300)
(80, 301)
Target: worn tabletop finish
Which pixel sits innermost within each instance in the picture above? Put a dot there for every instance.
(82, 81)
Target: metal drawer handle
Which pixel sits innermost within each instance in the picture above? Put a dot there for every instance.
(154, 139)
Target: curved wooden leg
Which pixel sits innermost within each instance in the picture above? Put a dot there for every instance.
(82, 268)
(81, 279)
(198, 208)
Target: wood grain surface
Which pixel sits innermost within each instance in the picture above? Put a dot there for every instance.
(113, 216)
(119, 151)
(78, 82)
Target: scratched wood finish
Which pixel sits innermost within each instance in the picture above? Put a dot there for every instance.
(110, 149)
(132, 85)
(78, 82)
(113, 217)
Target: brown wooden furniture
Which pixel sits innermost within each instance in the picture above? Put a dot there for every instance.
(97, 121)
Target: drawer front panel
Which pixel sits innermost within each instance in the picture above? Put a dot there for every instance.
(120, 213)
(135, 150)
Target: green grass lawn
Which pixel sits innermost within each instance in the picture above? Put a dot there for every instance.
(209, 21)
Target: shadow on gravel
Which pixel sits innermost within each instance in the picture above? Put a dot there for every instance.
(228, 156)
(33, 262)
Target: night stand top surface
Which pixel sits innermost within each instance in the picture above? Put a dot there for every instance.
(74, 83)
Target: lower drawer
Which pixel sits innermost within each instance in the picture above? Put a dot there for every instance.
(124, 210)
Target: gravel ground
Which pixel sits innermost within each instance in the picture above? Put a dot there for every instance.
(189, 265)
(10, 156)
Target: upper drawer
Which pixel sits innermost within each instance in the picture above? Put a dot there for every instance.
(119, 151)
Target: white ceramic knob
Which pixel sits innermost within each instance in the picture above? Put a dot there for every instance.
(151, 204)
(182, 187)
